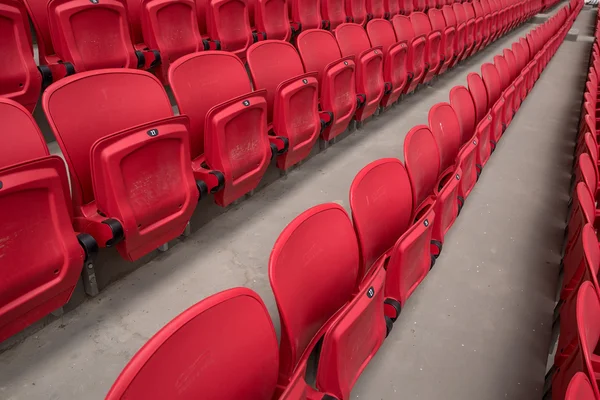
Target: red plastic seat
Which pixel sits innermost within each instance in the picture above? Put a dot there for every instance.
(580, 388)
(382, 210)
(375, 9)
(92, 35)
(508, 89)
(228, 21)
(406, 7)
(433, 51)
(416, 50)
(318, 253)
(462, 104)
(392, 7)
(307, 14)
(334, 12)
(227, 334)
(228, 122)
(493, 87)
(447, 43)
(481, 26)
(354, 41)
(336, 75)
(170, 26)
(395, 57)
(271, 17)
(429, 187)
(474, 26)
(121, 194)
(514, 71)
(469, 28)
(588, 331)
(19, 76)
(356, 10)
(40, 256)
(460, 41)
(489, 21)
(292, 97)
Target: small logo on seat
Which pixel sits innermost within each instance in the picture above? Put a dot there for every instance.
(94, 1)
(345, 62)
(474, 141)
(305, 81)
(426, 223)
(1, 184)
(371, 292)
(152, 132)
(246, 103)
(457, 177)
(376, 52)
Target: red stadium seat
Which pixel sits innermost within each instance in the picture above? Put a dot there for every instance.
(433, 51)
(171, 27)
(334, 12)
(447, 43)
(233, 327)
(218, 109)
(307, 14)
(272, 18)
(460, 41)
(406, 7)
(473, 24)
(513, 90)
(382, 211)
(395, 56)
(489, 21)
(318, 252)
(588, 332)
(336, 75)
(423, 163)
(479, 95)
(580, 388)
(353, 41)
(20, 79)
(375, 9)
(507, 87)
(121, 194)
(469, 28)
(228, 21)
(462, 104)
(493, 87)
(416, 50)
(392, 7)
(40, 255)
(292, 96)
(356, 10)
(481, 26)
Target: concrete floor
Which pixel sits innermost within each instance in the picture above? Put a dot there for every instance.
(477, 328)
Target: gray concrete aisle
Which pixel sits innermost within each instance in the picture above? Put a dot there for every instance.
(477, 328)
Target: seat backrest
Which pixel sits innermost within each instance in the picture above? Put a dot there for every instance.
(307, 13)
(509, 56)
(121, 98)
(503, 71)
(195, 95)
(479, 95)
(436, 17)
(375, 8)
(271, 17)
(580, 388)
(526, 52)
(420, 23)
(92, 35)
(469, 11)
(478, 9)
(422, 159)
(19, 77)
(459, 12)
(381, 33)
(317, 253)
(227, 334)
(318, 48)
(357, 11)
(462, 104)
(38, 12)
(449, 16)
(333, 11)
(272, 62)
(586, 203)
(21, 139)
(169, 26)
(352, 39)
(493, 84)
(445, 128)
(403, 28)
(486, 7)
(587, 171)
(381, 205)
(588, 325)
(229, 22)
